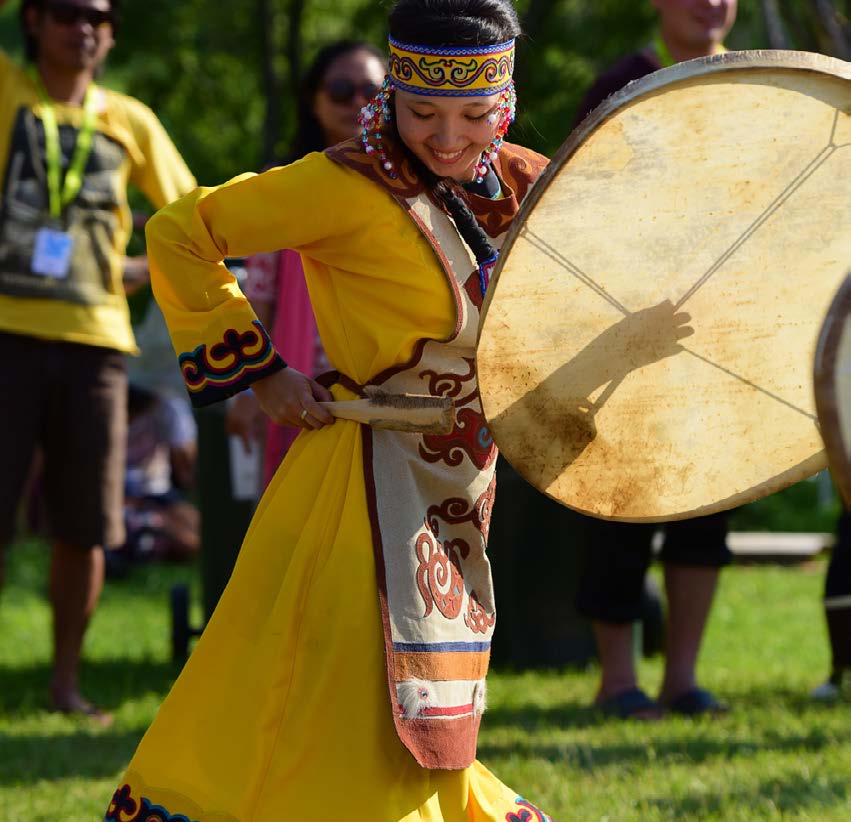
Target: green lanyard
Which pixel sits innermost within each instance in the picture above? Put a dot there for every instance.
(664, 53)
(62, 196)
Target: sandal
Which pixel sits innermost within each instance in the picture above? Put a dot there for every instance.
(631, 704)
(697, 702)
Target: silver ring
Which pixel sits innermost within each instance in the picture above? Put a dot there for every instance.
(303, 414)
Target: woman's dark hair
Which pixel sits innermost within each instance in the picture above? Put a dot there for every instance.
(453, 23)
(31, 44)
(309, 136)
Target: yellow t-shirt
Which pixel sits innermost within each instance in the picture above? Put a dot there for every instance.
(130, 146)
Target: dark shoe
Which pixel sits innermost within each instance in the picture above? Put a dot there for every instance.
(696, 702)
(631, 704)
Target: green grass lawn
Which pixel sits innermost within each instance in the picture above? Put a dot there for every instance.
(776, 756)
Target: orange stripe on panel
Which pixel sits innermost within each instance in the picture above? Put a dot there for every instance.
(441, 666)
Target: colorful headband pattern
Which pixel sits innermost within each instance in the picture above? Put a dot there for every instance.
(452, 72)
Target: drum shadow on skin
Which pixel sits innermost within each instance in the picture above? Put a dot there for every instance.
(556, 417)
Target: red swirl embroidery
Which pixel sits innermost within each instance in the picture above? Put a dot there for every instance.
(451, 385)
(471, 438)
(456, 510)
(440, 579)
(477, 619)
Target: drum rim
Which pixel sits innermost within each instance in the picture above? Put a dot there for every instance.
(824, 385)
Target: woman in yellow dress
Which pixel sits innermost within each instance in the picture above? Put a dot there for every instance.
(342, 676)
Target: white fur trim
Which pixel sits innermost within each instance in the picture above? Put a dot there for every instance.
(414, 695)
(480, 699)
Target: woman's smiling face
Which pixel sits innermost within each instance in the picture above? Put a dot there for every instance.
(448, 134)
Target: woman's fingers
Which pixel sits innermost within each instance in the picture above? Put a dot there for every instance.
(314, 394)
(288, 397)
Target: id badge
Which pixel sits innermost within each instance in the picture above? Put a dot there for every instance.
(52, 253)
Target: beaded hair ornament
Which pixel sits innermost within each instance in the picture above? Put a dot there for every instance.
(477, 71)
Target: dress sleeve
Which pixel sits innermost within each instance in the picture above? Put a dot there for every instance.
(221, 346)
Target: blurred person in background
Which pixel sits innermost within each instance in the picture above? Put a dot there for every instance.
(342, 79)
(837, 612)
(70, 148)
(160, 522)
(617, 555)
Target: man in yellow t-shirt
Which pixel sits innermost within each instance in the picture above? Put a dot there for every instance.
(68, 150)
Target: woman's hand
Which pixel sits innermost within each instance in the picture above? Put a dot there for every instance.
(288, 397)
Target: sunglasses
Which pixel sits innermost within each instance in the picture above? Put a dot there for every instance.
(69, 14)
(344, 91)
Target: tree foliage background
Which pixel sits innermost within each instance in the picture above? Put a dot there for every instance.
(223, 76)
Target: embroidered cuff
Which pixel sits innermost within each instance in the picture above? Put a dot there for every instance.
(219, 371)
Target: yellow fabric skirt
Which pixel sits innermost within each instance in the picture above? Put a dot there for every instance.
(282, 711)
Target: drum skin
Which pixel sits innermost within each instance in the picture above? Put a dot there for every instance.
(646, 347)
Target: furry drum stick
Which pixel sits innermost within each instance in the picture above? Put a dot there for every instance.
(399, 412)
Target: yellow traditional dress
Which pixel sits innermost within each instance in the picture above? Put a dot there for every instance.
(331, 683)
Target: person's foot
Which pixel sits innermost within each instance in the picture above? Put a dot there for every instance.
(694, 702)
(630, 704)
(74, 704)
(826, 692)
(830, 690)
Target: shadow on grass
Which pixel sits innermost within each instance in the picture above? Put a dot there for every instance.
(687, 749)
(107, 682)
(31, 758)
(792, 793)
(762, 697)
(565, 715)
(572, 715)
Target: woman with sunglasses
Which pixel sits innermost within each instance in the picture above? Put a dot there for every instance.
(342, 676)
(343, 78)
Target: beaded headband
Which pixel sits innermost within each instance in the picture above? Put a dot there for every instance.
(451, 72)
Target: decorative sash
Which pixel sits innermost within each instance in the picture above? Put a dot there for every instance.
(430, 497)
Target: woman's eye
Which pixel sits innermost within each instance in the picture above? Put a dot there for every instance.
(478, 118)
(419, 116)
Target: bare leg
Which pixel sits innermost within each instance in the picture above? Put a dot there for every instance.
(76, 581)
(617, 662)
(690, 590)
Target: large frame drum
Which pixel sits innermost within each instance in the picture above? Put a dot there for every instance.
(646, 347)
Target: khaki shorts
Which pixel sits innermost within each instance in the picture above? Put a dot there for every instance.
(71, 401)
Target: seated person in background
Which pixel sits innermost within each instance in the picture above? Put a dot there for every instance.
(161, 455)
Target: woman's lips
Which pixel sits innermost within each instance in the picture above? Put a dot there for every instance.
(448, 158)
